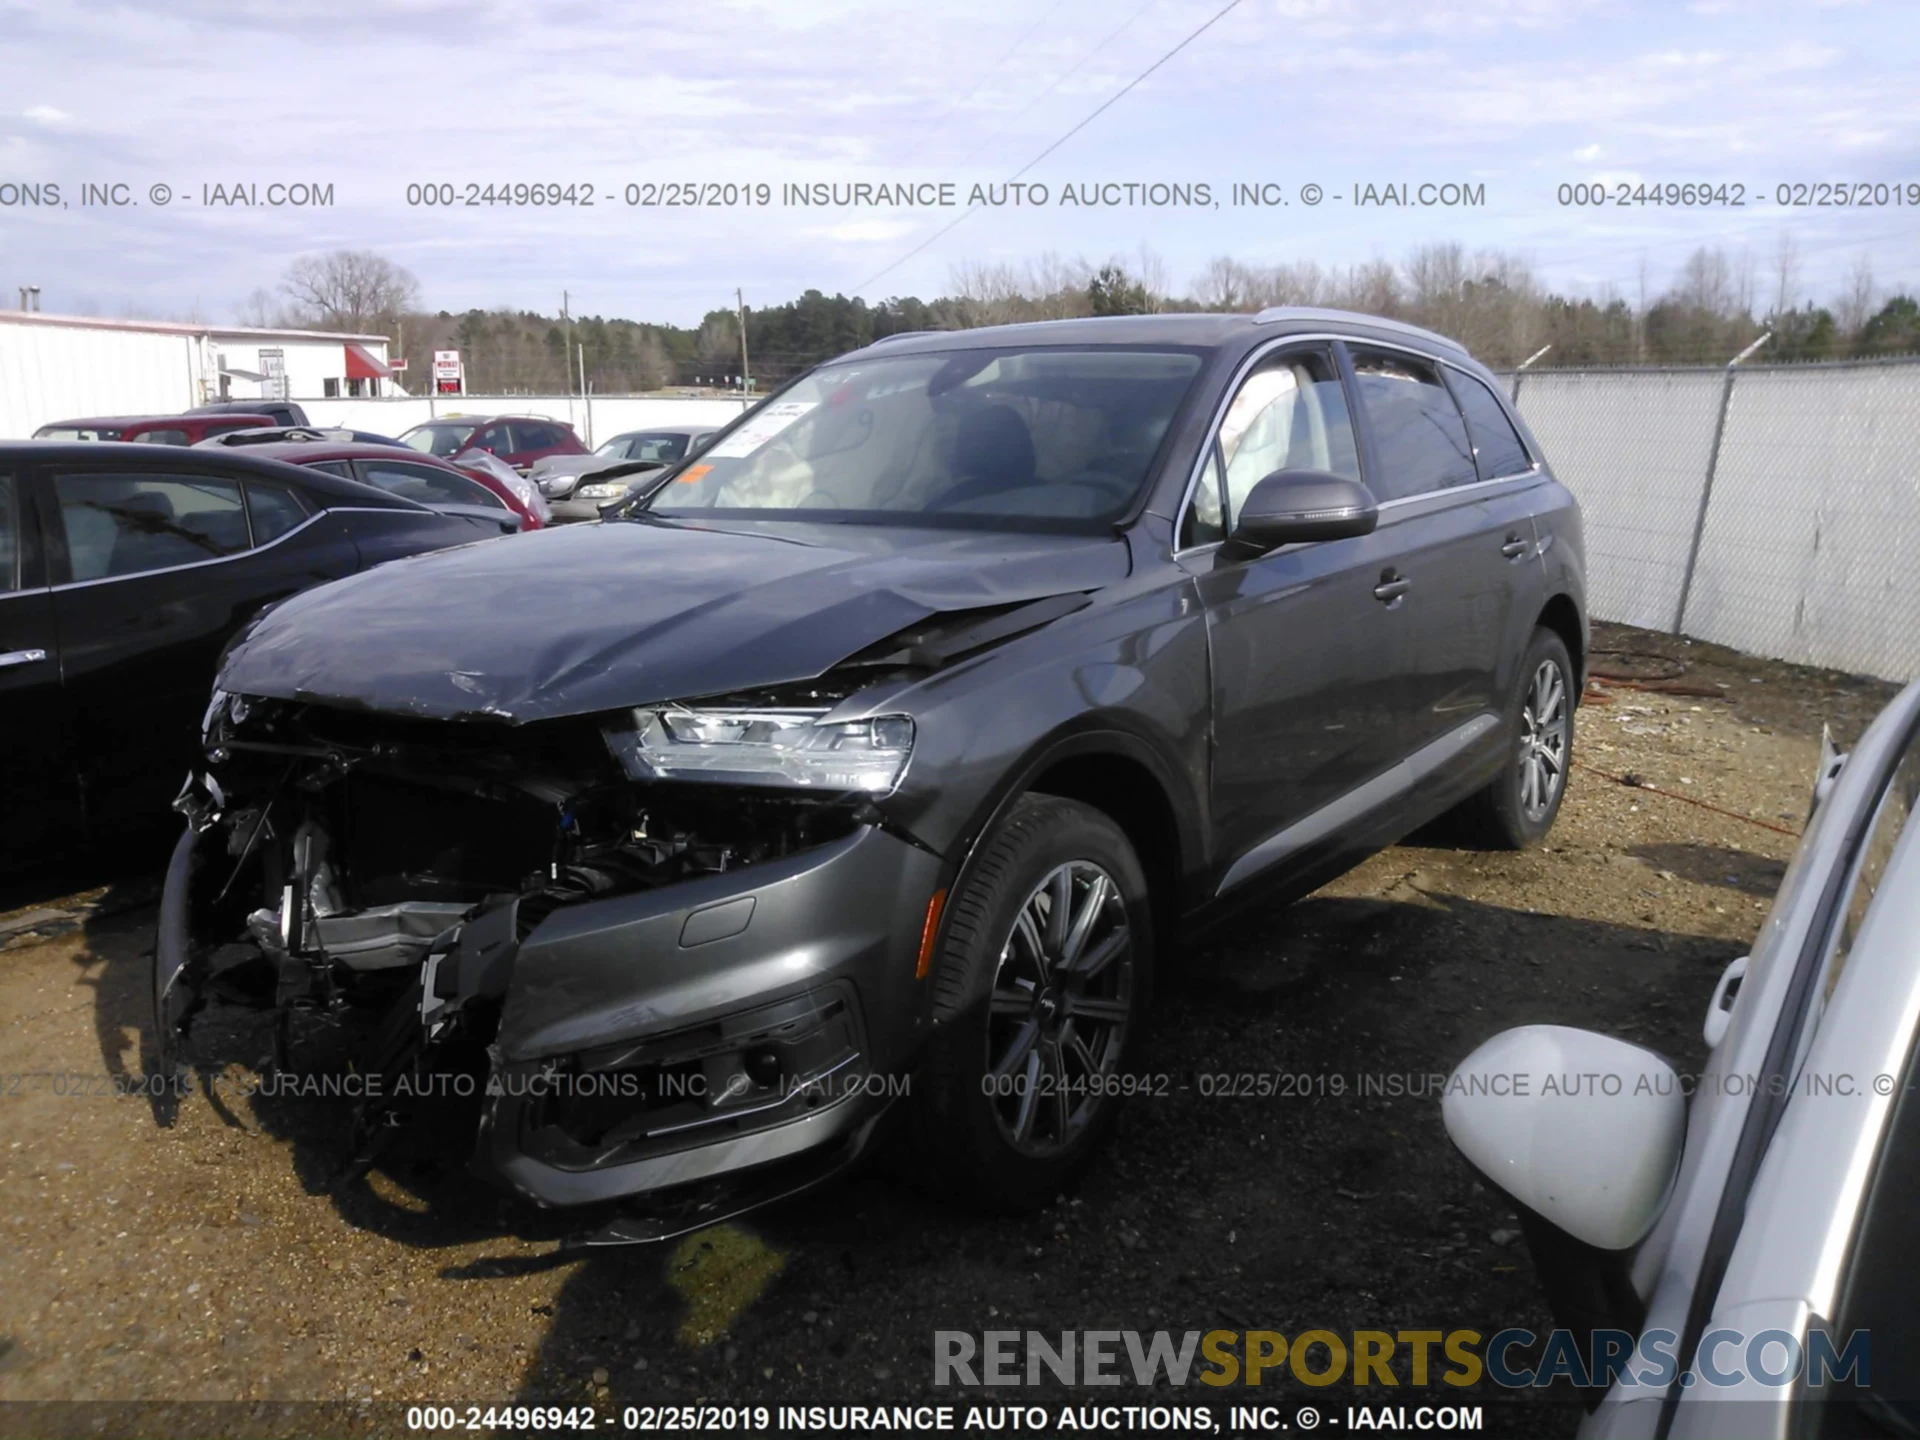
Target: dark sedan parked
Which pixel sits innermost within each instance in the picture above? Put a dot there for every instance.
(124, 569)
(890, 738)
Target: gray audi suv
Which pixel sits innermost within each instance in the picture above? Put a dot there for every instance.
(859, 774)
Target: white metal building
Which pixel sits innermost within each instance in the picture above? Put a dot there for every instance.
(57, 367)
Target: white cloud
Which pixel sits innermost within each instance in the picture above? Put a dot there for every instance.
(46, 115)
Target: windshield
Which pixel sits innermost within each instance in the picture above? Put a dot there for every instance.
(438, 439)
(1056, 438)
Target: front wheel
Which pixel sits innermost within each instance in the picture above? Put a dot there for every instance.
(1039, 997)
(1517, 809)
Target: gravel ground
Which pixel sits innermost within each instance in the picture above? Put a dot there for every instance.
(217, 1261)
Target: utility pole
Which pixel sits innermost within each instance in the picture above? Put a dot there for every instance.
(746, 376)
(566, 314)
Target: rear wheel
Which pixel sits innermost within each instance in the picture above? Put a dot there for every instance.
(1039, 995)
(1517, 809)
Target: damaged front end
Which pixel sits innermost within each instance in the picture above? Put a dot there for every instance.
(651, 945)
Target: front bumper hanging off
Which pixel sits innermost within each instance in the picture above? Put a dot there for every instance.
(709, 1044)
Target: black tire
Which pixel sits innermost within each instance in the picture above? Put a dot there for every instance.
(966, 1126)
(1506, 815)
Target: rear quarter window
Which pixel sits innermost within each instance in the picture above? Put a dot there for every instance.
(274, 510)
(1497, 446)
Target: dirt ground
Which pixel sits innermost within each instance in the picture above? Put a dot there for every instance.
(217, 1260)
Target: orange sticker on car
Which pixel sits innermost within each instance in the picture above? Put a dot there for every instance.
(693, 473)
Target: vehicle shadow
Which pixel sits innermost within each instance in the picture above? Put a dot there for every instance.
(1741, 870)
(1331, 1198)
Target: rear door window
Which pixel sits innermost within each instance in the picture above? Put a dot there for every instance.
(160, 437)
(1497, 446)
(1418, 435)
(128, 524)
(342, 468)
(427, 485)
(530, 435)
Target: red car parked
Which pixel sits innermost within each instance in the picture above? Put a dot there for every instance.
(423, 478)
(517, 439)
(152, 429)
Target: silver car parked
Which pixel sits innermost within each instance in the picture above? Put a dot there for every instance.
(565, 479)
(1746, 1241)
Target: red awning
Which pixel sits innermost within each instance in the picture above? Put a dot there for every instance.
(361, 365)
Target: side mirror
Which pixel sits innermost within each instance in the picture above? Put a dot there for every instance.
(1583, 1130)
(1290, 506)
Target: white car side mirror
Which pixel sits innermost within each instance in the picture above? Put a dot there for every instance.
(1582, 1129)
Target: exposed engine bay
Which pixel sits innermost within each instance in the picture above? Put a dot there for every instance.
(386, 869)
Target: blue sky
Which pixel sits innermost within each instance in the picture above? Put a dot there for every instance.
(1515, 95)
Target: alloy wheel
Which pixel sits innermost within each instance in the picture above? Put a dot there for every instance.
(1058, 1012)
(1543, 740)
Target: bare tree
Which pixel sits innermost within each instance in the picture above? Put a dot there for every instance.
(1786, 274)
(351, 290)
(265, 310)
(1856, 303)
(1373, 288)
(1705, 284)
(1150, 267)
(1225, 284)
(1301, 283)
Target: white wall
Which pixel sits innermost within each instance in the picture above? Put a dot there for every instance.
(59, 372)
(1811, 548)
(610, 415)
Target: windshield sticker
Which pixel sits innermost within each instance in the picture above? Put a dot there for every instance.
(759, 430)
(694, 474)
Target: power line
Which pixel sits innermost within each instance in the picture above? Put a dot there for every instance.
(1093, 115)
(1100, 110)
(985, 76)
(1058, 81)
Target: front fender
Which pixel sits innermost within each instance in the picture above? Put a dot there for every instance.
(177, 973)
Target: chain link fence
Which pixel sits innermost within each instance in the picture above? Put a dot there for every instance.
(1773, 509)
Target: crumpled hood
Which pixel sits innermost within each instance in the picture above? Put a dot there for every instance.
(582, 618)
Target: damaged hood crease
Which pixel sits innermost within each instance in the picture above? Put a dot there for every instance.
(581, 619)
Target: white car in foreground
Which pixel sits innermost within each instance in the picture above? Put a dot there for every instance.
(1738, 1254)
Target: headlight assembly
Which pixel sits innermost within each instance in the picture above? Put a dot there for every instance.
(610, 491)
(763, 747)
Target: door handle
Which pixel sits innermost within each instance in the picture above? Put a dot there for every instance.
(21, 657)
(1720, 1007)
(1515, 547)
(1391, 587)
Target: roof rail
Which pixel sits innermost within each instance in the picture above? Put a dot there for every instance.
(1275, 314)
(899, 335)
